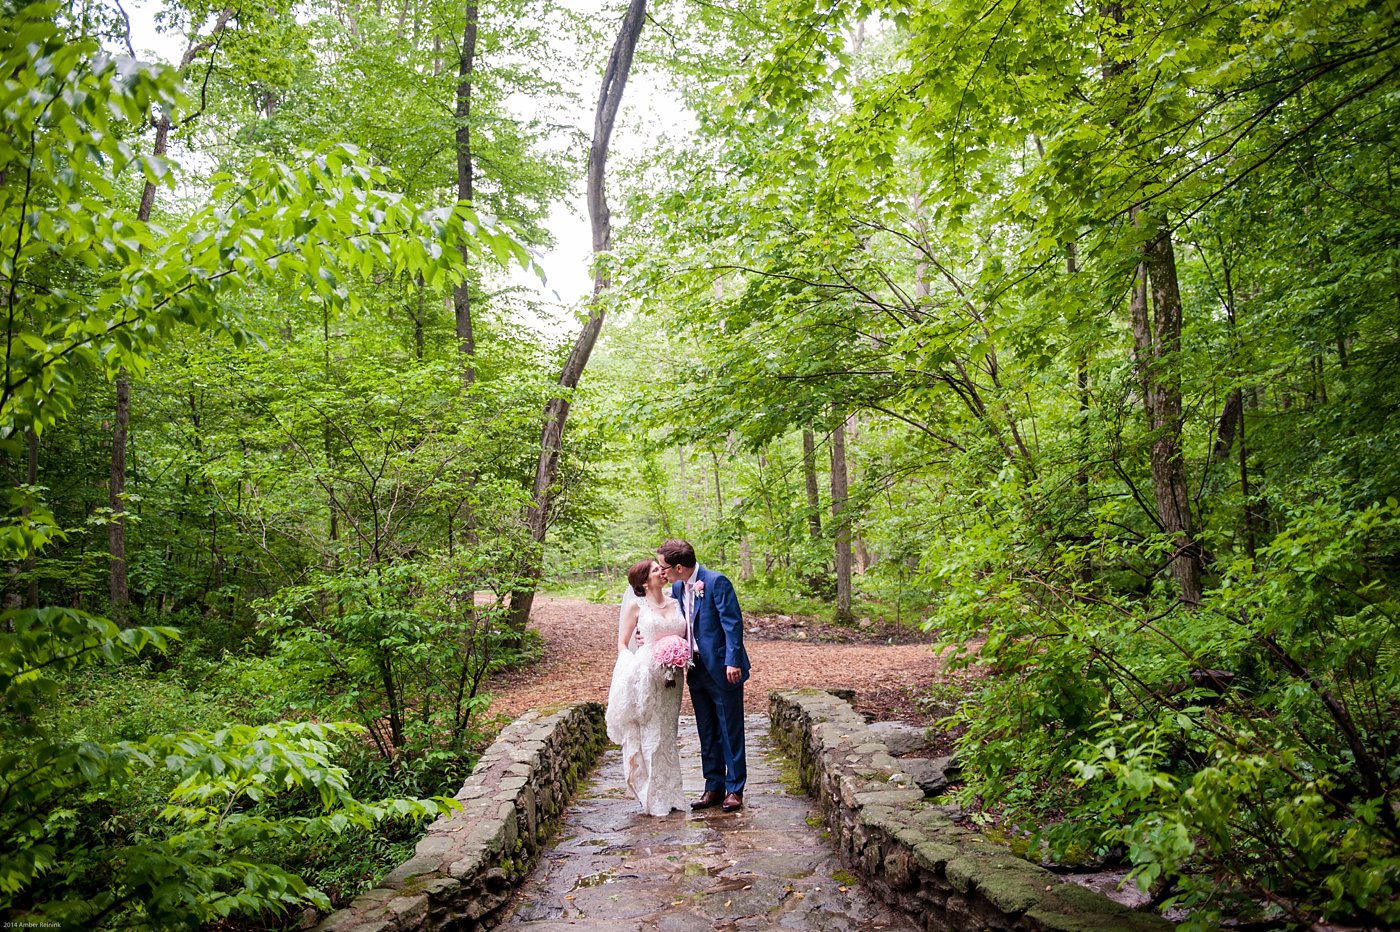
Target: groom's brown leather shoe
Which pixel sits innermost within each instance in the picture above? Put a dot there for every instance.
(733, 802)
(707, 799)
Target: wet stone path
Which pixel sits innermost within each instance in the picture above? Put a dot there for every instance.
(768, 866)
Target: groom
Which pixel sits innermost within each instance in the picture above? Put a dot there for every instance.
(717, 679)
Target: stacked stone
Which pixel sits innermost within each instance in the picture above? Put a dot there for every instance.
(910, 851)
(469, 863)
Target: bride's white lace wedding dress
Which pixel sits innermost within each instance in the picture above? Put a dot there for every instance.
(643, 713)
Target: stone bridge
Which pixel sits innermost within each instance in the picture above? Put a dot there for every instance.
(835, 835)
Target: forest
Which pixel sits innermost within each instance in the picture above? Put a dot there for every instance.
(1067, 332)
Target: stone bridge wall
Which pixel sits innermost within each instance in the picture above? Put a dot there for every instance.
(910, 852)
(466, 867)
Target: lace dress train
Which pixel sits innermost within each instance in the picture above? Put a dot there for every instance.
(643, 714)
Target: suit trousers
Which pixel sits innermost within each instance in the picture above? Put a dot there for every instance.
(719, 718)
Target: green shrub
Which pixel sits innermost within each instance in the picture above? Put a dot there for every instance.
(399, 649)
(160, 831)
(1244, 751)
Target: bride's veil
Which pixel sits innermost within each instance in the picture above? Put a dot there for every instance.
(628, 597)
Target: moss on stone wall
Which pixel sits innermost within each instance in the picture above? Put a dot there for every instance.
(912, 853)
(465, 869)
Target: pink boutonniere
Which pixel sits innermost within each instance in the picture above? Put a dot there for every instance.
(700, 589)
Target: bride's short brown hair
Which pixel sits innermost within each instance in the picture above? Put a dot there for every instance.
(637, 576)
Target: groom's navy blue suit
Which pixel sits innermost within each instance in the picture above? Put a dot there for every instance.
(719, 704)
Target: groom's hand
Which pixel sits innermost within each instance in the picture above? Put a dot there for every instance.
(733, 675)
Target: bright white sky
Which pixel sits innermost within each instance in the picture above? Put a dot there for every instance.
(649, 111)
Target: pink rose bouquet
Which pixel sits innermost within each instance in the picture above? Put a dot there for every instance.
(672, 653)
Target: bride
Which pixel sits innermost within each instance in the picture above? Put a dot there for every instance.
(643, 707)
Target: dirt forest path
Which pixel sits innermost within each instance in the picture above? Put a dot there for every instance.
(581, 647)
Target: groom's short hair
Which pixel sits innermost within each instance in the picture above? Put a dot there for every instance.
(677, 553)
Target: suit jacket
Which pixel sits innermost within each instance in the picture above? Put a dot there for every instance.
(718, 626)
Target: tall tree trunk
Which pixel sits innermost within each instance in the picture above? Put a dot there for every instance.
(1231, 425)
(841, 520)
(685, 489)
(197, 443)
(1227, 426)
(119, 593)
(719, 499)
(418, 323)
(32, 477)
(1157, 344)
(860, 555)
(461, 294)
(809, 474)
(736, 508)
(1081, 476)
(1250, 514)
(326, 430)
(864, 558)
(719, 491)
(556, 411)
(763, 479)
(118, 590)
